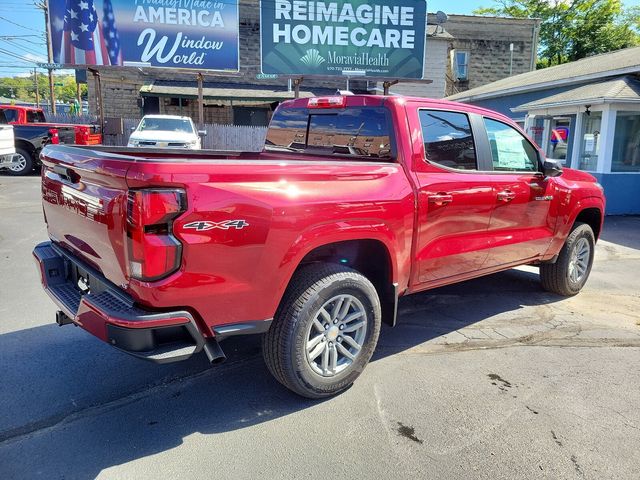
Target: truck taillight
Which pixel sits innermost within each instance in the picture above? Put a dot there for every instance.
(327, 102)
(53, 136)
(154, 252)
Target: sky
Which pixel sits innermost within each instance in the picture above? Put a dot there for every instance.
(19, 18)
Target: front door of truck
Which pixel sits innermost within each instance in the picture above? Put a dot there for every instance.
(521, 227)
(454, 199)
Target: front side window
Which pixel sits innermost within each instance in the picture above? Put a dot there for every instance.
(11, 115)
(448, 140)
(510, 150)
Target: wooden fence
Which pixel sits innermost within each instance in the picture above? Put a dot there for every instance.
(219, 137)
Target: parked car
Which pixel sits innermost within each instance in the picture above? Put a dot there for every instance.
(7, 143)
(20, 145)
(21, 115)
(354, 202)
(166, 131)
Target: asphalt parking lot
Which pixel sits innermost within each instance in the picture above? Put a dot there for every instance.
(492, 378)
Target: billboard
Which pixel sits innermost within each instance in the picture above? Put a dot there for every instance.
(194, 34)
(375, 38)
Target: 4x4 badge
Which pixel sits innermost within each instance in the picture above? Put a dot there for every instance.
(206, 225)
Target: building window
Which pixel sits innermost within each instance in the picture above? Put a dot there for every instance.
(461, 65)
(448, 140)
(626, 143)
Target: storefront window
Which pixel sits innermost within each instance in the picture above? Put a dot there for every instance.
(590, 143)
(626, 143)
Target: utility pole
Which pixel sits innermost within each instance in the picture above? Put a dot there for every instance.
(35, 79)
(44, 5)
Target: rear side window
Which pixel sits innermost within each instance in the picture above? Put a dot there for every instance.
(3, 117)
(35, 117)
(448, 140)
(361, 132)
(510, 150)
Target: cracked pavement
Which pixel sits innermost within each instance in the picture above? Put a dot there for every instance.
(492, 378)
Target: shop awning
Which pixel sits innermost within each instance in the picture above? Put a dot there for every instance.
(625, 89)
(227, 91)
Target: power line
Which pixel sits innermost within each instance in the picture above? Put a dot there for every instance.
(21, 26)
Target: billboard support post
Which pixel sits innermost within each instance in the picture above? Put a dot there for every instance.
(200, 99)
(387, 85)
(99, 105)
(296, 86)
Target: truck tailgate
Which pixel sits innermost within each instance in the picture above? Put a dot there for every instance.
(84, 199)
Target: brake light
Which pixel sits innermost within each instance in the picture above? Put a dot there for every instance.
(154, 252)
(327, 102)
(53, 136)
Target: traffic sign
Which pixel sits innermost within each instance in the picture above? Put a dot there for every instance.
(50, 66)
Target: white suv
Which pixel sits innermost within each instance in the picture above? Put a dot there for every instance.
(7, 143)
(166, 131)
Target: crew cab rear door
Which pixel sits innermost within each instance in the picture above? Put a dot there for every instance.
(521, 227)
(455, 200)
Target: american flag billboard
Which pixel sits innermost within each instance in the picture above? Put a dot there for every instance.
(191, 34)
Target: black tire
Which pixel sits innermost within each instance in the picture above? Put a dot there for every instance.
(284, 346)
(26, 166)
(557, 277)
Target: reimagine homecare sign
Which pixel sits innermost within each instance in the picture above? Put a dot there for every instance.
(194, 34)
(355, 38)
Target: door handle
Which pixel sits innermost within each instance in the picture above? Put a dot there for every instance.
(506, 196)
(441, 199)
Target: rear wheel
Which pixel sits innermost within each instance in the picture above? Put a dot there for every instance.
(22, 163)
(325, 331)
(570, 272)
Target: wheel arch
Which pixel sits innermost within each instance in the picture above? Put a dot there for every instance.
(371, 257)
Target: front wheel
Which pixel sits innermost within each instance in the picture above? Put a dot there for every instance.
(570, 272)
(324, 332)
(22, 163)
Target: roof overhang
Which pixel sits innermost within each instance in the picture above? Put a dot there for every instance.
(574, 103)
(544, 85)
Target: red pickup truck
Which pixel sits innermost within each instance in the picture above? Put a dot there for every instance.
(21, 115)
(354, 202)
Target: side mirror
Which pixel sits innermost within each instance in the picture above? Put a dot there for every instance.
(133, 129)
(552, 168)
(202, 133)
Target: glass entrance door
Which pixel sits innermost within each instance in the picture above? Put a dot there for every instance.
(590, 141)
(557, 147)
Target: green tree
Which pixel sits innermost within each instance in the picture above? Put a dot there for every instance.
(574, 29)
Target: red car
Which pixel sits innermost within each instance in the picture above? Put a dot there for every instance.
(20, 115)
(354, 202)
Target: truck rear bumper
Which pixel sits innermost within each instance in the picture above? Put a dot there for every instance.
(89, 301)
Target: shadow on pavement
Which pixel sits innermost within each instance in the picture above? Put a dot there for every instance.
(65, 372)
(623, 231)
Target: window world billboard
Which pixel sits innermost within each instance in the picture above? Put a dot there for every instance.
(194, 34)
(382, 38)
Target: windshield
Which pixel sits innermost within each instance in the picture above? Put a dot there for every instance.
(362, 132)
(166, 125)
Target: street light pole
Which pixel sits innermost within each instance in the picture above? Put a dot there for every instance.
(35, 79)
(45, 6)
